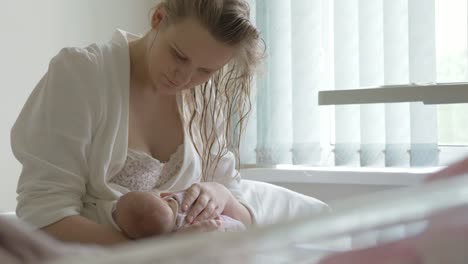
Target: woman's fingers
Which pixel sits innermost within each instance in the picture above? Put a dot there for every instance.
(208, 225)
(202, 201)
(208, 213)
(191, 195)
(203, 226)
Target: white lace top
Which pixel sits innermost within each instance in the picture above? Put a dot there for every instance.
(142, 172)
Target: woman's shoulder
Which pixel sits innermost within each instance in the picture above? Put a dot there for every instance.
(74, 75)
(78, 60)
(96, 68)
(93, 69)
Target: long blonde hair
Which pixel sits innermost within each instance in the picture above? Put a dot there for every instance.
(218, 109)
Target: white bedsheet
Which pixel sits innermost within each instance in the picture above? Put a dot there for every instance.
(272, 203)
(296, 241)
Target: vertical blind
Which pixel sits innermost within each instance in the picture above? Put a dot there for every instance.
(317, 45)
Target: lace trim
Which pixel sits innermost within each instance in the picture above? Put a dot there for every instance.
(142, 172)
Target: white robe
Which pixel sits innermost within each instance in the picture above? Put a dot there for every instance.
(72, 137)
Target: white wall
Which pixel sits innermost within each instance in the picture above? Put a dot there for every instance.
(31, 33)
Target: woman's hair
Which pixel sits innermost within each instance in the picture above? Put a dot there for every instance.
(218, 109)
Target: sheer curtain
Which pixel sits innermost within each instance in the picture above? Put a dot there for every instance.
(317, 45)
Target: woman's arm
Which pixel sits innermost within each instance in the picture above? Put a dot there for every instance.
(81, 230)
(238, 211)
(52, 138)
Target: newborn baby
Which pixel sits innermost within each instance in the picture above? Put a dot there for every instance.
(144, 214)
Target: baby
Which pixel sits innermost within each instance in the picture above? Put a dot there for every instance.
(144, 214)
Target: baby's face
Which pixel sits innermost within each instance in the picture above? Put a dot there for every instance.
(168, 211)
(172, 204)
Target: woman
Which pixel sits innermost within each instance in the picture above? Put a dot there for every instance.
(139, 114)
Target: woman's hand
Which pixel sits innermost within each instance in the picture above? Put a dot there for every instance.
(205, 200)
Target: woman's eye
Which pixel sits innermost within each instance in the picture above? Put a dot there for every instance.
(178, 56)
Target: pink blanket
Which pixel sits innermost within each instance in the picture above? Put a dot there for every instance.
(445, 240)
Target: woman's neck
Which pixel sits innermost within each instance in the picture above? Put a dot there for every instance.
(139, 75)
(140, 80)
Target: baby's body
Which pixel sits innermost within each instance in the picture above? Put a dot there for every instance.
(144, 214)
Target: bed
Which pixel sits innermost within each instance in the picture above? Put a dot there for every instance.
(315, 238)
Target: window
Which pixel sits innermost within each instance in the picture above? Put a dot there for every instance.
(452, 60)
(347, 44)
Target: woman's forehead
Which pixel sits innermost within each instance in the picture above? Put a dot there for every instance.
(196, 43)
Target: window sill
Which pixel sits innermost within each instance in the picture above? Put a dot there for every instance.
(338, 175)
(433, 93)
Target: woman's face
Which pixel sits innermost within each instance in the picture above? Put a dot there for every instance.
(183, 55)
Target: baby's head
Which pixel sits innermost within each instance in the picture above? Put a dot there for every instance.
(144, 214)
(160, 215)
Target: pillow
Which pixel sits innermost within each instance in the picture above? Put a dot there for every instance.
(271, 203)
